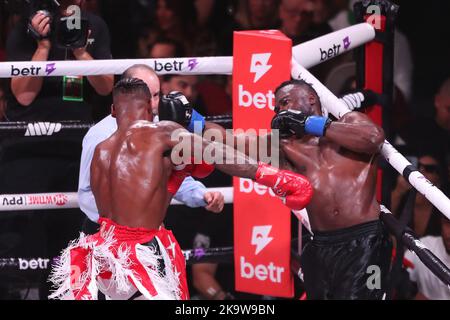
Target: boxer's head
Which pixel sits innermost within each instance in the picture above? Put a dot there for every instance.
(445, 232)
(131, 100)
(297, 95)
(149, 76)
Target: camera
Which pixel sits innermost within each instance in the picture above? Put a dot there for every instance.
(68, 32)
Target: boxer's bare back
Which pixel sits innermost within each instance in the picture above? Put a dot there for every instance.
(129, 174)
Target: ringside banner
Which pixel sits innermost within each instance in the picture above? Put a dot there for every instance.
(261, 222)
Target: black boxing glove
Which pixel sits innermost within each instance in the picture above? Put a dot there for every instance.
(296, 123)
(175, 107)
(171, 109)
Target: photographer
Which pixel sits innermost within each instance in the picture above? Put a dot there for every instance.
(49, 163)
(40, 37)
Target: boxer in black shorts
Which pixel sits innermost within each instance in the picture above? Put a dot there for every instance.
(350, 243)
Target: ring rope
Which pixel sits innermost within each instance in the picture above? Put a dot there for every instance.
(192, 256)
(68, 128)
(308, 53)
(68, 200)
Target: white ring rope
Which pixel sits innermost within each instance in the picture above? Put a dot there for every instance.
(181, 66)
(67, 200)
(309, 54)
(392, 156)
(333, 44)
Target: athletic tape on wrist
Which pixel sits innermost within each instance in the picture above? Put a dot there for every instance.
(196, 118)
(315, 125)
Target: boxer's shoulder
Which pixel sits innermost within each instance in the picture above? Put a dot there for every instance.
(162, 126)
(142, 125)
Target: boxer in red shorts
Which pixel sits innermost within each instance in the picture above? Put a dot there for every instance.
(133, 179)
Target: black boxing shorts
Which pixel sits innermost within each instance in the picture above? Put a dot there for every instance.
(344, 264)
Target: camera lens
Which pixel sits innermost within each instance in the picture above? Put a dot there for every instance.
(69, 36)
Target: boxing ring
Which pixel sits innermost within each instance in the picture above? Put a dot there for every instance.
(359, 34)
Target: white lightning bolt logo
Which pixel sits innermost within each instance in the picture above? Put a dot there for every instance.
(260, 237)
(259, 65)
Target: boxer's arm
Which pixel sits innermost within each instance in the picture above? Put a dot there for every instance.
(293, 188)
(356, 132)
(241, 141)
(186, 145)
(176, 107)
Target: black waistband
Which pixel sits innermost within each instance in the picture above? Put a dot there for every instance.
(347, 234)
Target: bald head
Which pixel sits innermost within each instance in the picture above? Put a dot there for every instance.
(149, 76)
(137, 68)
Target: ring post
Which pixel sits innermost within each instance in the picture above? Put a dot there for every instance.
(261, 222)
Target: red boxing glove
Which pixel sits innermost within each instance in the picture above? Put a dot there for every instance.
(295, 190)
(176, 179)
(201, 170)
(182, 171)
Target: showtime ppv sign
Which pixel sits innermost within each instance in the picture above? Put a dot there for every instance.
(38, 201)
(261, 222)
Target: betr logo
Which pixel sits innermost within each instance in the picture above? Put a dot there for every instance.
(260, 65)
(260, 237)
(346, 42)
(33, 264)
(330, 53)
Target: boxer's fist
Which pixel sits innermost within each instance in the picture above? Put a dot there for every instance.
(296, 123)
(289, 123)
(175, 107)
(201, 170)
(295, 190)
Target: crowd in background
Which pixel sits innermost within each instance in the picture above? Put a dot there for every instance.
(420, 115)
